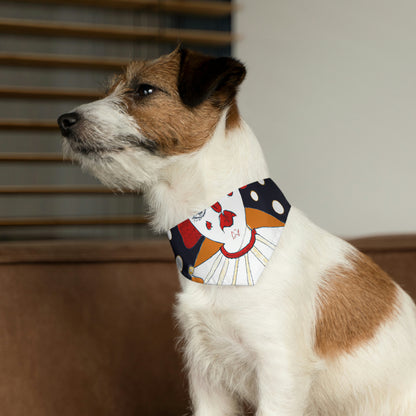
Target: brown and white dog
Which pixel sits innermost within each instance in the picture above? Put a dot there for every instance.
(324, 331)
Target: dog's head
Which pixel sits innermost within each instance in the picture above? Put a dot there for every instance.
(154, 111)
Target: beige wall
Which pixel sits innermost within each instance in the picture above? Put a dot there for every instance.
(331, 95)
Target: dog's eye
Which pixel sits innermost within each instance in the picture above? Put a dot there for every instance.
(143, 90)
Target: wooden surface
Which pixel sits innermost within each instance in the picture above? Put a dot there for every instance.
(85, 251)
(32, 157)
(61, 190)
(401, 242)
(19, 124)
(202, 8)
(49, 93)
(97, 250)
(72, 221)
(61, 61)
(87, 326)
(78, 30)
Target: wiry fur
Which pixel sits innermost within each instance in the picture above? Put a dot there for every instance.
(256, 344)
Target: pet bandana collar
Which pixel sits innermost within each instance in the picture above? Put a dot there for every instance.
(231, 242)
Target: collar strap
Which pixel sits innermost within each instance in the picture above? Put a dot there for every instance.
(231, 242)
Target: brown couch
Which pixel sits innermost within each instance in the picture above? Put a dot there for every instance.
(86, 328)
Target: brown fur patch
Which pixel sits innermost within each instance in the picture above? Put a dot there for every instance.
(162, 117)
(233, 116)
(353, 302)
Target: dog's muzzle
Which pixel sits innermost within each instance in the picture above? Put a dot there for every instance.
(67, 123)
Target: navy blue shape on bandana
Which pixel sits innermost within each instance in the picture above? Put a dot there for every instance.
(188, 255)
(267, 194)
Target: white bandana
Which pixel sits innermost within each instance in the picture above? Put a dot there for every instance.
(231, 242)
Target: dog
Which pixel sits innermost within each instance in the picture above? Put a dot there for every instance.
(319, 330)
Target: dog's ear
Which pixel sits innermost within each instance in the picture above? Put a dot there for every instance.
(202, 77)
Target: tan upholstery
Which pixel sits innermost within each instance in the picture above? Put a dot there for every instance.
(86, 328)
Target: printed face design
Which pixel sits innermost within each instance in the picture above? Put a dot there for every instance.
(224, 222)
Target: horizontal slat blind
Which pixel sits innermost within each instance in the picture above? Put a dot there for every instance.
(32, 157)
(173, 36)
(203, 8)
(49, 93)
(35, 222)
(56, 61)
(37, 190)
(47, 69)
(28, 125)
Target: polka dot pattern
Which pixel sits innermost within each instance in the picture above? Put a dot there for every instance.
(179, 263)
(278, 207)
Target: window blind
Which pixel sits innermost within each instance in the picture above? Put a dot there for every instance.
(56, 55)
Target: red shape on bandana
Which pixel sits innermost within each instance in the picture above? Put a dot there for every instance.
(190, 235)
(226, 219)
(244, 250)
(209, 225)
(217, 207)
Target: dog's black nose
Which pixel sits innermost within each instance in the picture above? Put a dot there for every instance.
(67, 121)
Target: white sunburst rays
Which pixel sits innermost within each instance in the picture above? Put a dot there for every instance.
(243, 270)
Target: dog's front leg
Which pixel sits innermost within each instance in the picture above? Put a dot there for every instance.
(209, 399)
(283, 386)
